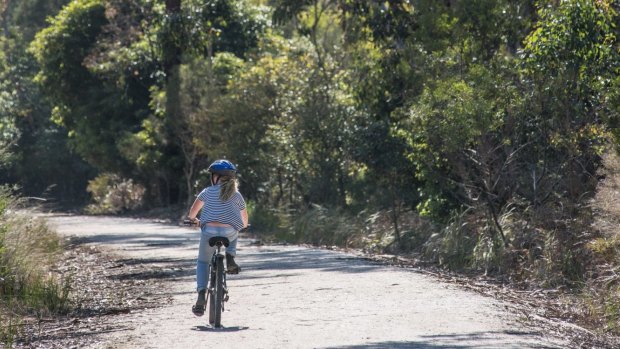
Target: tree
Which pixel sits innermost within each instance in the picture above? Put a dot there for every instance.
(39, 154)
(103, 61)
(570, 62)
(197, 30)
(88, 98)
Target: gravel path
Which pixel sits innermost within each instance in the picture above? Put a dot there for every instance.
(296, 297)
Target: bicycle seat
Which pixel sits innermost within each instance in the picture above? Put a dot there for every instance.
(214, 240)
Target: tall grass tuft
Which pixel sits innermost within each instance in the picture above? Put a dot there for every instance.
(453, 247)
(27, 249)
(321, 226)
(373, 232)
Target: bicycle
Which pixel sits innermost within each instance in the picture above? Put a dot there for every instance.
(217, 291)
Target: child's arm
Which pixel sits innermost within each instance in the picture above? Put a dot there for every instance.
(244, 217)
(193, 211)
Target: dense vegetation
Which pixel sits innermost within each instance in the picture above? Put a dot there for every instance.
(472, 132)
(27, 248)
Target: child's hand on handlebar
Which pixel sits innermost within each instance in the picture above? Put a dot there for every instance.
(191, 222)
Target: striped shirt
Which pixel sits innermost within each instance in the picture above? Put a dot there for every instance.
(216, 210)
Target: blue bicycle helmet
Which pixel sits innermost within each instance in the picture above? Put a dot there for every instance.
(222, 168)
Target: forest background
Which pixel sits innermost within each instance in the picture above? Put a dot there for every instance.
(475, 134)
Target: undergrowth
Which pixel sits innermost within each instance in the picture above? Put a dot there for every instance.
(552, 246)
(112, 195)
(570, 247)
(27, 249)
(602, 288)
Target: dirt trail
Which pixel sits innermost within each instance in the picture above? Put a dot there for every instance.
(296, 297)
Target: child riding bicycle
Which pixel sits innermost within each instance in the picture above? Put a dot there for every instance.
(222, 213)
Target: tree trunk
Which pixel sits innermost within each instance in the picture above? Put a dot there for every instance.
(171, 64)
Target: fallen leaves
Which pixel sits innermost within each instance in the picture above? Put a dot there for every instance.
(103, 290)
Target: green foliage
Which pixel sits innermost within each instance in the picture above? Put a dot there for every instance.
(34, 142)
(488, 118)
(323, 227)
(101, 80)
(448, 130)
(113, 194)
(571, 52)
(62, 47)
(454, 246)
(265, 221)
(215, 26)
(574, 40)
(8, 129)
(94, 108)
(27, 17)
(229, 26)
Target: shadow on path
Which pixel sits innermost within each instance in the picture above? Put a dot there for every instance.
(221, 329)
(303, 258)
(142, 239)
(459, 341)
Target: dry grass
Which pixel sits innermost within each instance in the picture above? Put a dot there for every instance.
(606, 203)
(27, 249)
(602, 294)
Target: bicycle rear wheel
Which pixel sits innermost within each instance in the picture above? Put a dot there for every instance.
(211, 293)
(211, 307)
(219, 291)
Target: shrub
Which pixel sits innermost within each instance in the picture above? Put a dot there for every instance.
(321, 226)
(113, 194)
(266, 221)
(453, 247)
(381, 235)
(27, 248)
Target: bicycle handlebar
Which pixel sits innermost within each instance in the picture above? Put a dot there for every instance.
(190, 223)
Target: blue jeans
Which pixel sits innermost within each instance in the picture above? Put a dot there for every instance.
(205, 252)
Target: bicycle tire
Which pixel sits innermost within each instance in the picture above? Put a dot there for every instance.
(211, 307)
(212, 293)
(219, 291)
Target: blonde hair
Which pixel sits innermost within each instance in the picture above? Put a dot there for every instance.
(228, 187)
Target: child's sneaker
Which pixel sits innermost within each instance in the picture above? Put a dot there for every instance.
(231, 266)
(199, 308)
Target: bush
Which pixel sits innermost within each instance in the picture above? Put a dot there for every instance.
(266, 221)
(113, 194)
(321, 226)
(373, 232)
(542, 249)
(454, 246)
(27, 248)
